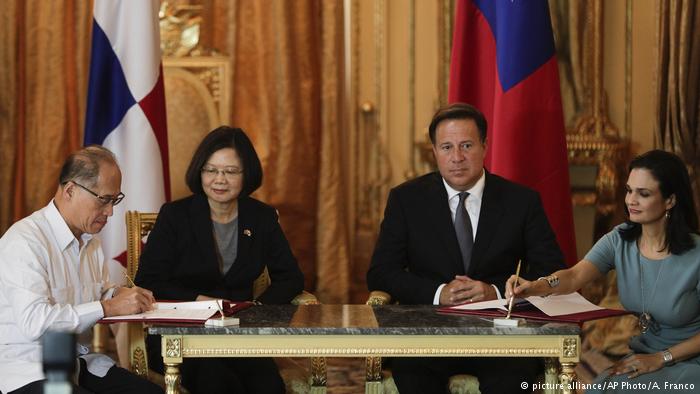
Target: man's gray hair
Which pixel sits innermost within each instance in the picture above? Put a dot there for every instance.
(83, 165)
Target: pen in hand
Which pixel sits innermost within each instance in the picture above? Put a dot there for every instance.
(130, 282)
(515, 284)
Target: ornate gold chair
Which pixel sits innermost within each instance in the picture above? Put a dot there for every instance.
(138, 226)
(458, 384)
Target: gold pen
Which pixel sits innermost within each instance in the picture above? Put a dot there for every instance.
(130, 281)
(512, 296)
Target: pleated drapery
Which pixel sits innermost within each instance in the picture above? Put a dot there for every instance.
(678, 88)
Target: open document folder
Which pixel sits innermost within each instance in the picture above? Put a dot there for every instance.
(181, 312)
(570, 308)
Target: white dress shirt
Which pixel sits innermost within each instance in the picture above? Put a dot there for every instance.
(47, 282)
(473, 206)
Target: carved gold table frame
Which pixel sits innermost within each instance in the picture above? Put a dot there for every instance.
(177, 347)
(316, 339)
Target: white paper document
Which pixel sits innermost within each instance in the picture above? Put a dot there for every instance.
(195, 310)
(208, 304)
(477, 306)
(555, 305)
(568, 304)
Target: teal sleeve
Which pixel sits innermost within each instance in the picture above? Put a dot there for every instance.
(602, 255)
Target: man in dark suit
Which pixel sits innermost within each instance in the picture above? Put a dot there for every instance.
(456, 236)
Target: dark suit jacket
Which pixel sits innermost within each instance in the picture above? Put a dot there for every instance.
(417, 248)
(179, 261)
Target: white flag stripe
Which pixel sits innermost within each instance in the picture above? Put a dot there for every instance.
(133, 35)
(137, 152)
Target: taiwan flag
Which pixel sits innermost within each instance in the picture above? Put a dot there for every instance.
(126, 112)
(504, 63)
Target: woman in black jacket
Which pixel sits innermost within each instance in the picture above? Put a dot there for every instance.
(213, 245)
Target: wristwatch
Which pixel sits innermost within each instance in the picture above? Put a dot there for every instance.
(668, 357)
(552, 280)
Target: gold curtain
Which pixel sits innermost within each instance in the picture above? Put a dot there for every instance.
(43, 71)
(678, 86)
(288, 94)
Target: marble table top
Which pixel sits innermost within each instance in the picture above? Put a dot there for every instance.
(362, 320)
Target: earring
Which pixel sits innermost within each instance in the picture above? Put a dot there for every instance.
(668, 214)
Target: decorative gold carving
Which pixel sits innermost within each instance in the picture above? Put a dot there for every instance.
(138, 226)
(359, 352)
(172, 378)
(180, 29)
(173, 347)
(607, 154)
(318, 372)
(570, 347)
(567, 377)
(378, 297)
(212, 71)
(138, 362)
(594, 140)
(373, 369)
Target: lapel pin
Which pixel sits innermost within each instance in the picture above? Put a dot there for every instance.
(247, 233)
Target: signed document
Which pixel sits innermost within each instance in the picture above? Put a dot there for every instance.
(555, 305)
(571, 308)
(180, 312)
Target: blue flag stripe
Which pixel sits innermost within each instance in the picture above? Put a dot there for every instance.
(523, 34)
(109, 96)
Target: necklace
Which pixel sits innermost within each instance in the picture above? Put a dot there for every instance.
(646, 321)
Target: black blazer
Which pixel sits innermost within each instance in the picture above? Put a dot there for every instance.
(417, 248)
(179, 261)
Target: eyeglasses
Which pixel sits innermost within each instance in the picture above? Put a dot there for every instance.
(229, 172)
(103, 199)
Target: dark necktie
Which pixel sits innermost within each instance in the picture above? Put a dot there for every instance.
(463, 229)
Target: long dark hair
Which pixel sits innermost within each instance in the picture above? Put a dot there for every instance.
(672, 175)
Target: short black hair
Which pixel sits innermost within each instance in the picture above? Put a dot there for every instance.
(221, 138)
(672, 175)
(83, 165)
(458, 111)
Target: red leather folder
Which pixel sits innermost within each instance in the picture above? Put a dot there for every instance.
(229, 308)
(529, 312)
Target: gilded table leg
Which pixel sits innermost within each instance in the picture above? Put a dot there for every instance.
(172, 378)
(373, 368)
(318, 375)
(551, 375)
(567, 377)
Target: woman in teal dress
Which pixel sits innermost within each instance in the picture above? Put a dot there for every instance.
(656, 254)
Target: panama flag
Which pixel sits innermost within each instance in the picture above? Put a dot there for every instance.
(126, 112)
(504, 63)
